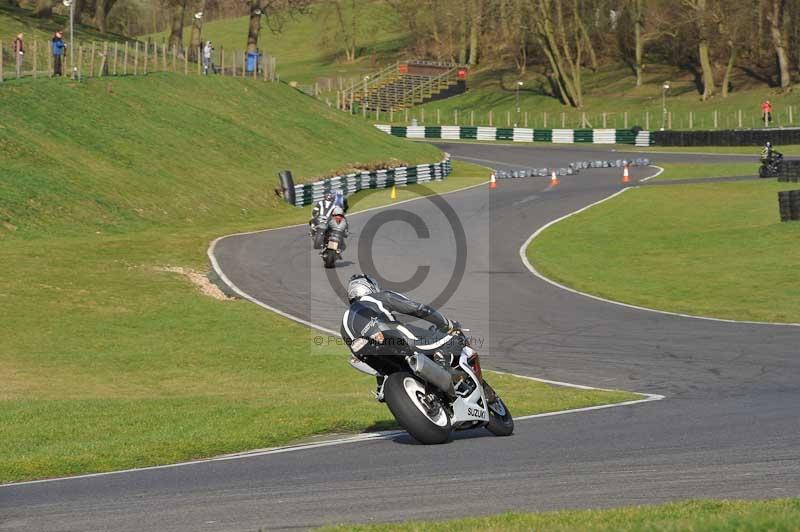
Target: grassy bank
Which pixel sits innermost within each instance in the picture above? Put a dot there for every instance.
(719, 516)
(306, 47)
(674, 171)
(716, 249)
(111, 357)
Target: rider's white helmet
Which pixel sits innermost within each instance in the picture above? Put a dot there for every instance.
(360, 286)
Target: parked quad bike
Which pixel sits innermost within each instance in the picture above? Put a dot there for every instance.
(772, 167)
(332, 247)
(431, 394)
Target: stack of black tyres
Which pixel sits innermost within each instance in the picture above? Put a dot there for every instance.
(789, 205)
(789, 171)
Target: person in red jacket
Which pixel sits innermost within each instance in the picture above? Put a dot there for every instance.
(766, 112)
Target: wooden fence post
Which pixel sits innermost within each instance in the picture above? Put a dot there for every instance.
(563, 120)
(526, 118)
(80, 61)
(790, 115)
(186, 61)
(116, 49)
(491, 115)
(647, 121)
(2, 79)
(740, 119)
(691, 122)
(104, 62)
(508, 118)
(35, 54)
(625, 123)
(233, 63)
(200, 61)
(145, 58)
(125, 60)
(438, 117)
(136, 59)
(544, 120)
(391, 115)
(174, 58)
(164, 55)
(222, 60)
(405, 112)
(604, 121)
(91, 61)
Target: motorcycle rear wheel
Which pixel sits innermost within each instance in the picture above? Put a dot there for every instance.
(329, 259)
(406, 398)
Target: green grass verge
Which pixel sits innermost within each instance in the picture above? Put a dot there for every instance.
(716, 249)
(702, 515)
(673, 171)
(110, 362)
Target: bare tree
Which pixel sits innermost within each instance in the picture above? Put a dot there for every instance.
(275, 13)
(44, 8)
(562, 44)
(778, 20)
(700, 16)
(196, 39)
(176, 26)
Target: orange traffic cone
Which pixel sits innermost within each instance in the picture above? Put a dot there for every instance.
(493, 181)
(626, 177)
(553, 179)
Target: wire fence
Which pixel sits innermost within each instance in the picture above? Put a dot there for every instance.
(711, 119)
(98, 59)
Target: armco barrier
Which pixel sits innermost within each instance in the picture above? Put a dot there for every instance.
(309, 193)
(521, 134)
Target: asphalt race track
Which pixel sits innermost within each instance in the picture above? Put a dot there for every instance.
(728, 428)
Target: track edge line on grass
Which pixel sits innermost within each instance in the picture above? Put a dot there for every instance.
(524, 257)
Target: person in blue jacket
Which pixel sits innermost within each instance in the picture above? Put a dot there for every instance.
(58, 52)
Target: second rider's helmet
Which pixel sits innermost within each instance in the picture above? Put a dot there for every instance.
(360, 286)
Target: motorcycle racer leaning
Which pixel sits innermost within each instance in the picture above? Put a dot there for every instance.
(323, 207)
(372, 312)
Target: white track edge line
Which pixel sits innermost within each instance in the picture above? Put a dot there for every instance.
(660, 171)
(534, 271)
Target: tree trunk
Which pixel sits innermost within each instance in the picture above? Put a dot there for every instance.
(729, 69)
(708, 75)
(552, 37)
(101, 9)
(638, 16)
(196, 41)
(701, 17)
(777, 31)
(474, 30)
(176, 28)
(254, 26)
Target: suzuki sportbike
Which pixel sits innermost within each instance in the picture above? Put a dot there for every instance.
(434, 391)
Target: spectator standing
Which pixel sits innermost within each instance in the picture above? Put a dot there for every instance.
(58, 52)
(766, 112)
(19, 52)
(207, 51)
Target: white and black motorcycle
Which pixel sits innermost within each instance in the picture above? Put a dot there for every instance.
(434, 391)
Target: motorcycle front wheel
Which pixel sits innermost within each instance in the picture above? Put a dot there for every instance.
(501, 423)
(420, 415)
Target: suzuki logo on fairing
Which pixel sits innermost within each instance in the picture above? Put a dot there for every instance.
(475, 412)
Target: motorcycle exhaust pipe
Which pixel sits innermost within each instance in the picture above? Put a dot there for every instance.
(432, 373)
